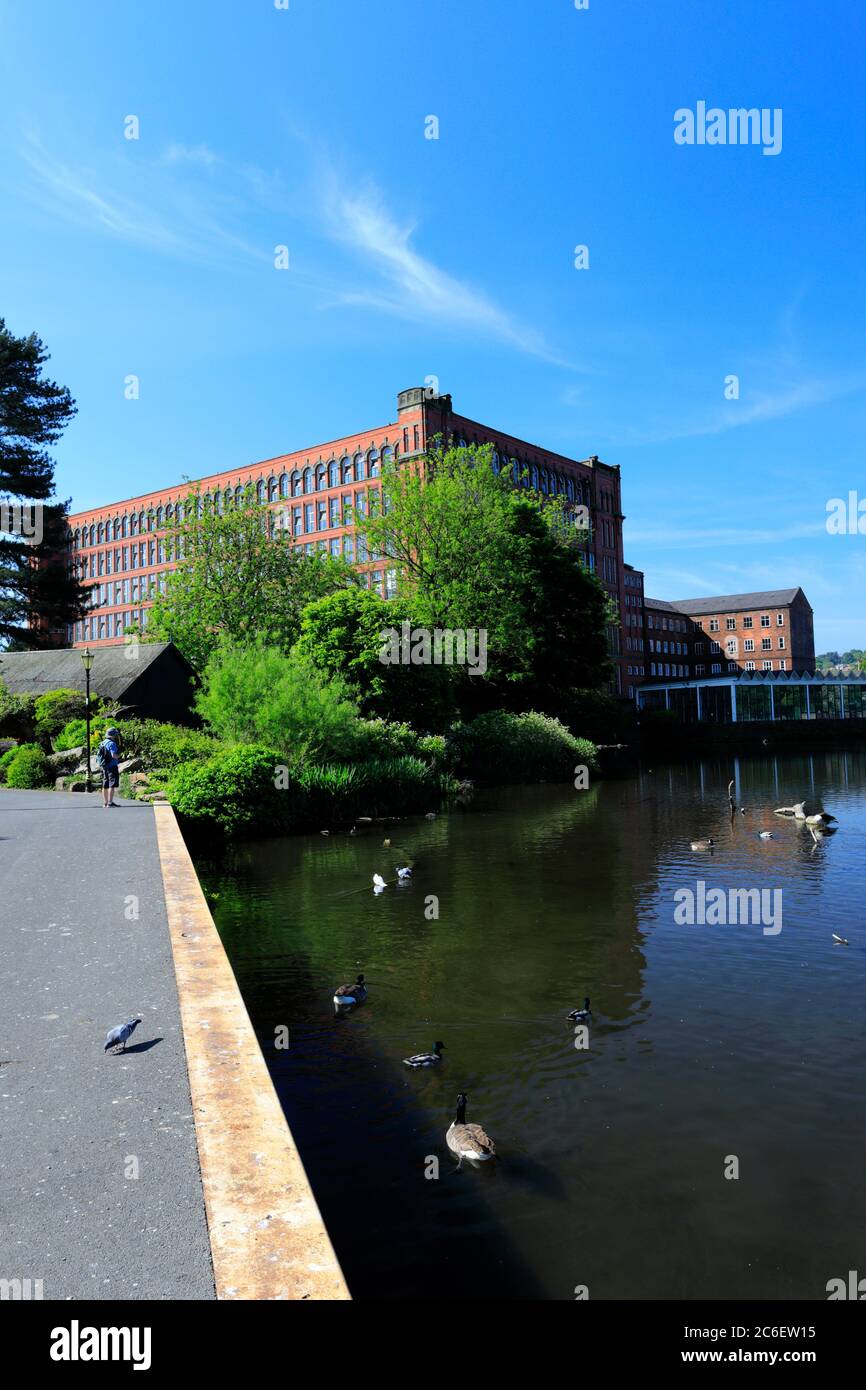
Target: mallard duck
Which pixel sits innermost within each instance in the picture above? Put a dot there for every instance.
(468, 1141)
(404, 873)
(425, 1059)
(839, 940)
(580, 1015)
(347, 996)
(766, 835)
(702, 844)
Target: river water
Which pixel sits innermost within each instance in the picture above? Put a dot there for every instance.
(713, 1050)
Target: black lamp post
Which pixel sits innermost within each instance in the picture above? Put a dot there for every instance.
(87, 662)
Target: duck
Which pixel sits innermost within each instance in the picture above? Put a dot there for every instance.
(425, 1059)
(766, 835)
(404, 873)
(839, 940)
(379, 882)
(347, 996)
(703, 844)
(468, 1141)
(580, 1015)
(387, 844)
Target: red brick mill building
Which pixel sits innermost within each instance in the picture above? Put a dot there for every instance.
(120, 548)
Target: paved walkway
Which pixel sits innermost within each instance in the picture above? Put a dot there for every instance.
(100, 1190)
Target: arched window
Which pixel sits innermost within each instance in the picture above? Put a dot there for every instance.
(387, 456)
(321, 475)
(308, 479)
(373, 463)
(360, 468)
(76, 539)
(160, 518)
(260, 490)
(346, 469)
(284, 484)
(228, 499)
(273, 489)
(533, 474)
(297, 484)
(133, 524)
(239, 495)
(141, 523)
(333, 474)
(169, 513)
(100, 535)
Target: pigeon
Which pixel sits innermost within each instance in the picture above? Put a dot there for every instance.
(121, 1034)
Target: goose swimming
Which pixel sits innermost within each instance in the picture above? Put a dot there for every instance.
(347, 996)
(702, 844)
(468, 1141)
(425, 1059)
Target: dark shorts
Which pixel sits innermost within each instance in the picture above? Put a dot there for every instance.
(111, 776)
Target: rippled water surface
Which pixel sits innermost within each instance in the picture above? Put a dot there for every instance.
(707, 1041)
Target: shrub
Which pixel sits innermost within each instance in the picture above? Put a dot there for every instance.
(234, 791)
(72, 735)
(28, 769)
(324, 793)
(17, 715)
(598, 715)
(55, 709)
(165, 746)
(499, 747)
(257, 694)
(11, 753)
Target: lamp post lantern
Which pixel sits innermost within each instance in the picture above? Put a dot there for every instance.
(87, 662)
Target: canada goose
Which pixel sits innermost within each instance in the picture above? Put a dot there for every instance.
(580, 1015)
(702, 844)
(425, 1059)
(839, 940)
(348, 995)
(822, 818)
(765, 835)
(468, 1141)
(405, 872)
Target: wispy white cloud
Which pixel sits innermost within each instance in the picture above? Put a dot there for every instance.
(408, 284)
(143, 203)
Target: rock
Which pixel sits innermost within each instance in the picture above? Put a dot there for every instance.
(130, 765)
(67, 761)
(76, 787)
(139, 779)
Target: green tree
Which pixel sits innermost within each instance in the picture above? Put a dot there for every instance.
(258, 694)
(39, 594)
(343, 635)
(237, 576)
(473, 551)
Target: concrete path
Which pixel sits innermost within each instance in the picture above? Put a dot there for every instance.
(100, 1190)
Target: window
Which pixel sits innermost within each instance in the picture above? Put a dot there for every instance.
(321, 475)
(346, 469)
(766, 644)
(749, 644)
(309, 517)
(731, 624)
(766, 665)
(783, 665)
(780, 620)
(333, 473)
(731, 646)
(699, 669)
(260, 490)
(349, 548)
(781, 644)
(308, 480)
(714, 624)
(699, 649)
(748, 622)
(360, 468)
(273, 489)
(732, 666)
(765, 620)
(334, 509)
(750, 665)
(322, 515)
(297, 521)
(716, 668)
(373, 463)
(297, 484)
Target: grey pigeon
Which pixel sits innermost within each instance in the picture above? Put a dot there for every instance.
(121, 1034)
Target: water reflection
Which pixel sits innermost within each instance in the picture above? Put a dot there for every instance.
(706, 1041)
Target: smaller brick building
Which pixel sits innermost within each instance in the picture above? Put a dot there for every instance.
(769, 630)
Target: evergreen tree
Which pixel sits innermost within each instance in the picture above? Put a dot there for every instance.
(39, 595)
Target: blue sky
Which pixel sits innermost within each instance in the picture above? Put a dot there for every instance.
(454, 257)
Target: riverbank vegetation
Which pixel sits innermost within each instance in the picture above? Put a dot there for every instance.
(320, 701)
